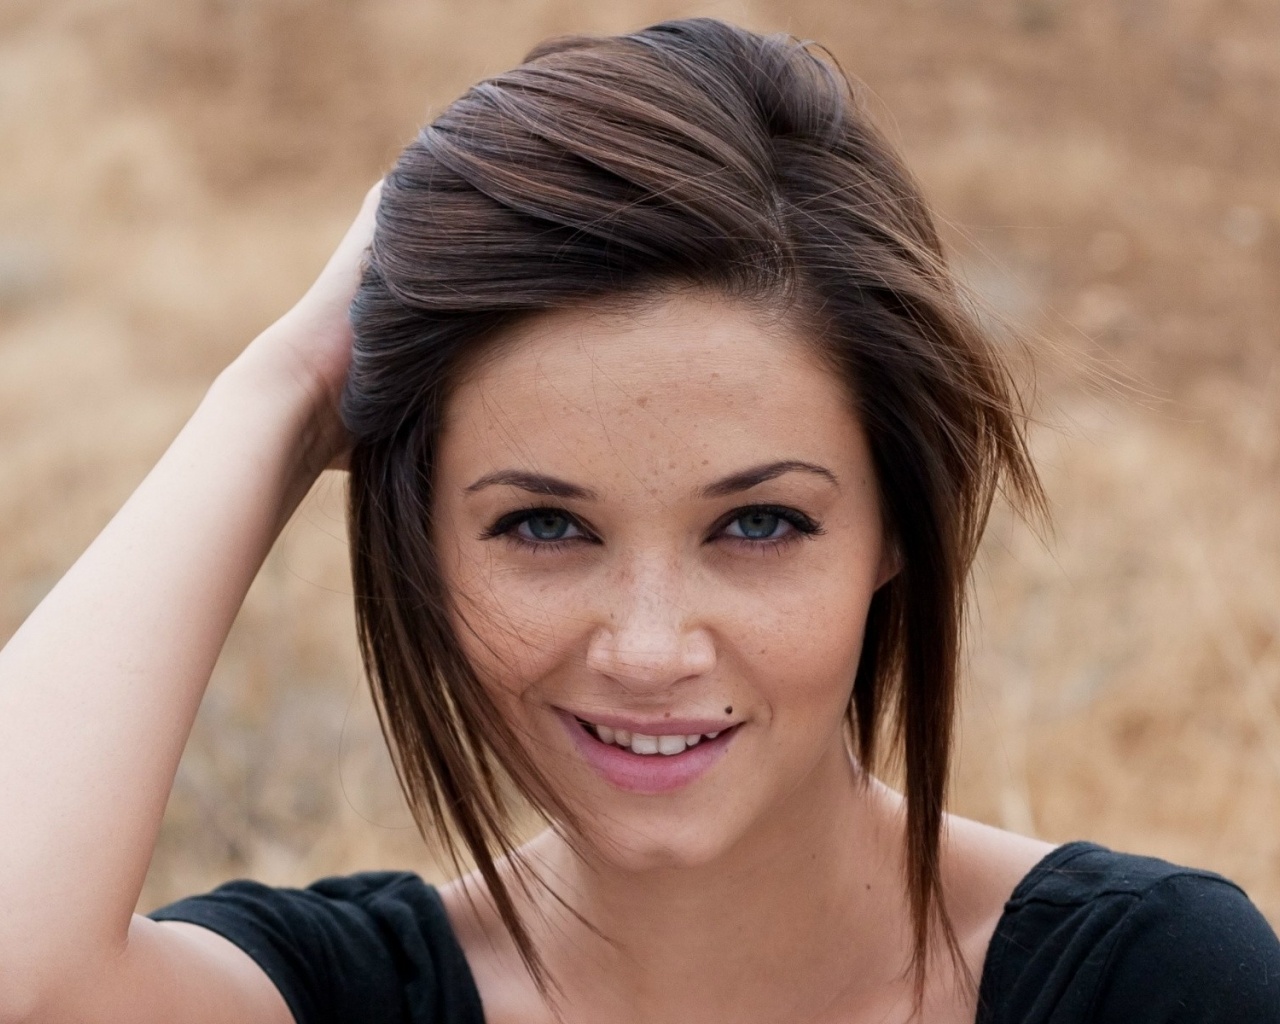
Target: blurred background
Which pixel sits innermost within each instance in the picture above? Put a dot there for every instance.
(1108, 177)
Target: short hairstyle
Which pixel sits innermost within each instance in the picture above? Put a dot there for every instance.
(692, 153)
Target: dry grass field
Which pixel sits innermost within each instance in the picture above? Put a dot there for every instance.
(1108, 172)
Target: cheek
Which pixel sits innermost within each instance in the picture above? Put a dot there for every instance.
(799, 646)
(513, 631)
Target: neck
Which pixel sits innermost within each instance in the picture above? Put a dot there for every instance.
(814, 895)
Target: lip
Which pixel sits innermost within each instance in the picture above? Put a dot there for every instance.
(657, 726)
(650, 773)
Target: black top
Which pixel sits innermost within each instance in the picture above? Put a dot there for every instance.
(1088, 937)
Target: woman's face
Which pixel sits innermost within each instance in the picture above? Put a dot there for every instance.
(661, 532)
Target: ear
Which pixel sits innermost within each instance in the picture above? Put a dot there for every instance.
(890, 563)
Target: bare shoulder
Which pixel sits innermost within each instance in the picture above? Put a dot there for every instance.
(475, 923)
(507, 992)
(981, 867)
(983, 855)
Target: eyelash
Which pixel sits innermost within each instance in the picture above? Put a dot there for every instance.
(507, 525)
(802, 527)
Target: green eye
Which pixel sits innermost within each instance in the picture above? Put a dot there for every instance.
(759, 525)
(538, 528)
(546, 525)
(765, 527)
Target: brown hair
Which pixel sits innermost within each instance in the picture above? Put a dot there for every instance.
(690, 153)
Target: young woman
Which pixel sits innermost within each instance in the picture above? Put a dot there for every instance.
(670, 442)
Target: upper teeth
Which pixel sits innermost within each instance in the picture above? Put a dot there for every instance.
(642, 744)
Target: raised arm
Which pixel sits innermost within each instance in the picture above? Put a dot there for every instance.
(100, 686)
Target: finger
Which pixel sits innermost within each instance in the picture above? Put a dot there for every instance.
(345, 261)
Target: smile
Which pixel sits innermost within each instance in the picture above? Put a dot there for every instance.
(640, 743)
(650, 762)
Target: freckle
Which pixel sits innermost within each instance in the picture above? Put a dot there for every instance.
(729, 710)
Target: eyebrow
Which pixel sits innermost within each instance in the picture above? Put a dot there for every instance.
(744, 480)
(748, 478)
(535, 483)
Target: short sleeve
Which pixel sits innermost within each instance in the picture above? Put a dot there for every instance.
(373, 947)
(1191, 950)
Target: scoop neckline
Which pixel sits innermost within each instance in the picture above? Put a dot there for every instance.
(1051, 861)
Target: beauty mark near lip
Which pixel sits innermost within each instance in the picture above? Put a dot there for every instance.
(649, 773)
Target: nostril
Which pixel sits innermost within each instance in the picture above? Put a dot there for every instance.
(660, 658)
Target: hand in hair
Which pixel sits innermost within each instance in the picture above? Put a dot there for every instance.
(310, 345)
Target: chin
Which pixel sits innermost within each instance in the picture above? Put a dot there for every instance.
(648, 843)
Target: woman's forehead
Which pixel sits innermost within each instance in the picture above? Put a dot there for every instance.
(692, 379)
(679, 347)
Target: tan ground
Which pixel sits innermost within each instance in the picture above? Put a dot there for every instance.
(174, 172)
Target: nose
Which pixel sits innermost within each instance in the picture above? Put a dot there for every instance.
(650, 636)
